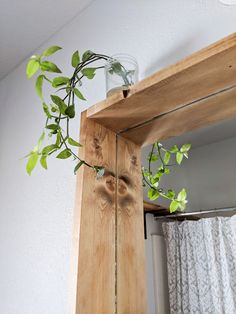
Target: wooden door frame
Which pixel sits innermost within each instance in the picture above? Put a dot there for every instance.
(108, 245)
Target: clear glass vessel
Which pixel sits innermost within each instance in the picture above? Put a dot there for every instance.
(121, 71)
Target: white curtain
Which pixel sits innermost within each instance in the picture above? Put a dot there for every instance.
(201, 262)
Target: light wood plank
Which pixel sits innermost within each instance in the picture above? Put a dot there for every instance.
(202, 73)
(76, 224)
(131, 280)
(94, 224)
(195, 116)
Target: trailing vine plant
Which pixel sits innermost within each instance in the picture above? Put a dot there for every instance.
(164, 159)
(62, 110)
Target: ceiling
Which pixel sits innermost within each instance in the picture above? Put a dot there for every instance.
(26, 24)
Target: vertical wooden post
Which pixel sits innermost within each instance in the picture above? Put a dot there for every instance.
(94, 224)
(131, 280)
(108, 249)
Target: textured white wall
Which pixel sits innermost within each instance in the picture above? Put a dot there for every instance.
(36, 212)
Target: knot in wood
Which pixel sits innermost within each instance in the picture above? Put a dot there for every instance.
(96, 143)
(110, 183)
(134, 160)
(122, 187)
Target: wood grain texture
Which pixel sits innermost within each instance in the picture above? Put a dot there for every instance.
(200, 74)
(131, 280)
(186, 119)
(94, 225)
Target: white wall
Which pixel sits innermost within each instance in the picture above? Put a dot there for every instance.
(210, 175)
(36, 212)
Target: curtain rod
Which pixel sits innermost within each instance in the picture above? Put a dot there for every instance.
(202, 212)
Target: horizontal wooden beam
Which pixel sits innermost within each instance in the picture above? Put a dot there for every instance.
(197, 115)
(205, 72)
(148, 207)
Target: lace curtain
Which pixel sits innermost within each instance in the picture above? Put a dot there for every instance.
(201, 257)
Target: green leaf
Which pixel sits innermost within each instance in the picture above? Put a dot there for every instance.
(48, 149)
(43, 161)
(75, 60)
(174, 205)
(145, 172)
(32, 67)
(87, 54)
(70, 111)
(78, 94)
(89, 72)
(167, 157)
(185, 148)
(179, 157)
(52, 127)
(167, 170)
(182, 195)
(78, 166)
(64, 154)
(46, 110)
(73, 142)
(153, 194)
(60, 103)
(174, 149)
(39, 85)
(60, 81)
(181, 198)
(49, 67)
(54, 108)
(116, 67)
(161, 169)
(157, 176)
(51, 50)
(32, 161)
(170, 194)
(152, 157)
(155, 182)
